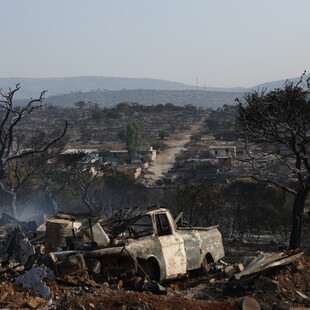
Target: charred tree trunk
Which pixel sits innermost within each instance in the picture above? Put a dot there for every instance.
(2, 170)
(53, 202)
(13, 204)
(297, 214)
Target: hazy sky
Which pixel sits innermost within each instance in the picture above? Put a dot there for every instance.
(222, 43)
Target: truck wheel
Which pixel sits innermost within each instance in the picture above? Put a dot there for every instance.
(151, 268)
(205, 264)
(204, 268)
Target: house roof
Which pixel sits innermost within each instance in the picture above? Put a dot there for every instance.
(76, 151)
(118, 151)
(222, 147)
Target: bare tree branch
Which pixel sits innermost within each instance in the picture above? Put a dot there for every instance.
(278, 124)
(16, 166)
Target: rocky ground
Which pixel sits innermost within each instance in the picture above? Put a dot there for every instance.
(281, 288)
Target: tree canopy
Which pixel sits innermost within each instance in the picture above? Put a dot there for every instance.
(163, 134)
(277, 123)
(132, 134)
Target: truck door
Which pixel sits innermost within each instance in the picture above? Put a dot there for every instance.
(172, 245)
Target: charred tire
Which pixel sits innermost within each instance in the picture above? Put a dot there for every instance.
(150, 268)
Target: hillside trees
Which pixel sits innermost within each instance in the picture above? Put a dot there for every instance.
(195, 137)
(80, 104)
(20, 153)
(163, 134)
(264, 207)
(20, 176)
(132, 134)
(87, 184)
(78, 188)
(279, 123)
(69, 184)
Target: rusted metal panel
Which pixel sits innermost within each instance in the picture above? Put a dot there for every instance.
(267, 261)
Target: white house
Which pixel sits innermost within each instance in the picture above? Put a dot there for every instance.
(222, 151)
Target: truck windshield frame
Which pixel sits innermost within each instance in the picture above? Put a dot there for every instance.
(141, 227)
(162, 224)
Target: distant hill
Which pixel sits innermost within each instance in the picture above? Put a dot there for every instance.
(278, 84)
(199, 98)
(31, 87)
(108, 91)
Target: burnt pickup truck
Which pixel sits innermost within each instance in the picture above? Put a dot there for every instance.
(147, 243)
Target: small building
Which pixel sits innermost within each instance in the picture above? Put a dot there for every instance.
(222, 151)
(116, 155)
(86, 156)
(151, 153)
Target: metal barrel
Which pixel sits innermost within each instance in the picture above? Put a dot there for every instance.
(57, 232)
(247, 303)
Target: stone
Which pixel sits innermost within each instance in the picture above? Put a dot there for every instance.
(154, 287)
(120, 284)
(105, 285)
(238, 267)
(32, 279)
(230, 271)
(3, 297)
(32, 303)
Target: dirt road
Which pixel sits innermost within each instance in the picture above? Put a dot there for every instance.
(166, 159)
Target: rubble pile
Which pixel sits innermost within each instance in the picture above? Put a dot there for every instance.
(282, 287)
(14, 297)
(33, 280)
(269, 281)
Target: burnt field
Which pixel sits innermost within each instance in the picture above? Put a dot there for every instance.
(98, 127)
